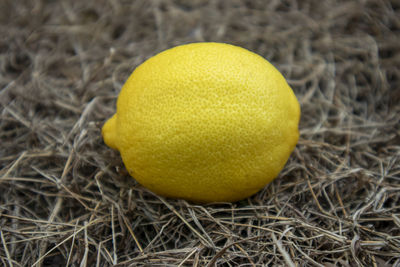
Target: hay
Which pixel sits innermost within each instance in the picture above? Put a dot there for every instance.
(67, 199)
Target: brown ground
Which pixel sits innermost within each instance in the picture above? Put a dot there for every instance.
(66, 197)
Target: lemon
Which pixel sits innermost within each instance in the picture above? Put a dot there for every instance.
(205, 122)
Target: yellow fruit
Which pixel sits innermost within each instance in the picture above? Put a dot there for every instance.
(205, 122)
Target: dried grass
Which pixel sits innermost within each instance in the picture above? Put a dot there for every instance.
(67, 199)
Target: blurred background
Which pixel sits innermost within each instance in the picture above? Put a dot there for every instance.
(66, 199)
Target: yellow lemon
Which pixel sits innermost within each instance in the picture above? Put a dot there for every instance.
(205, 122)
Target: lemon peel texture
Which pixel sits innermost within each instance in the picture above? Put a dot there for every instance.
(205, 122)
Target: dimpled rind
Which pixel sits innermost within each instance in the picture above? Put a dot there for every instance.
(205, 122)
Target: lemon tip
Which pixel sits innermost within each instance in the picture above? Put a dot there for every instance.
(109, 132)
